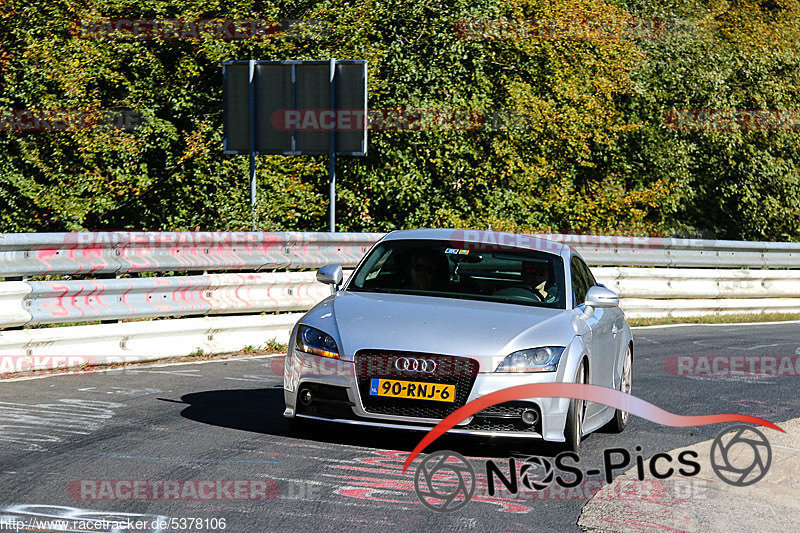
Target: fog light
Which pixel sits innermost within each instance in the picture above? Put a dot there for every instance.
(305, 397)
(530, 417)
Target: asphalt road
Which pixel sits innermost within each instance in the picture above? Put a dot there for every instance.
(223, 421)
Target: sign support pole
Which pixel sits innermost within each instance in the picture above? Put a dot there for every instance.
(252, 108)
(248, 130)
(332, 153)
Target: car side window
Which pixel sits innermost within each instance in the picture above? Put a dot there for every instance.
(579, 287)
(588, 277)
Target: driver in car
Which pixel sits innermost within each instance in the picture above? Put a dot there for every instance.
(538, 283)
(421, 272)
(536, 278)
(427, 271)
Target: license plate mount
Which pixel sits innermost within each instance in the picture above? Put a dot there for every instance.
(412, 390)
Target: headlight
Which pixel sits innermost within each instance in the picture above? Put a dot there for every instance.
(532, 360)
(314, 341)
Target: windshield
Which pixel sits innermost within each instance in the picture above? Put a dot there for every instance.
(435, 268)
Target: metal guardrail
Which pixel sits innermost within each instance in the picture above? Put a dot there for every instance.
(723, 277)
(600, 250)
(114, 253)
(142, 341)
(694, 283)
(643, 292)
(51, 302)
(12, 312)
(103, 254)
(676, 292)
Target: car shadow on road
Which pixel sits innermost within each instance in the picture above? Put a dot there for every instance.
(261, 411)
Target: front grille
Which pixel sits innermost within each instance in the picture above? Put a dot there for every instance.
(451, 370)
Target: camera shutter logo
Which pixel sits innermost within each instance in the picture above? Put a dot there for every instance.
(730, 456)
(541, 466)
(444, 481)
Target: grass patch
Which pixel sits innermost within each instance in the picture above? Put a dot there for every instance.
(276, 346)
(715, 319)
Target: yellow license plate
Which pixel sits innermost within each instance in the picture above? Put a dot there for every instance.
(415, 390)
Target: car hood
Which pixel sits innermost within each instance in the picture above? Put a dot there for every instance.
(484, 330)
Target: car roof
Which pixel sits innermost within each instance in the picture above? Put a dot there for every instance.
(486, 237)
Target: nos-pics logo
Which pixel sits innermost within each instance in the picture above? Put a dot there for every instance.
(445, 481)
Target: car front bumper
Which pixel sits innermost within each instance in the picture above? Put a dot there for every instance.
(303, 370)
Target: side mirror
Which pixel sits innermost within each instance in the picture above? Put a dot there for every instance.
(600, 297)
(330, 275)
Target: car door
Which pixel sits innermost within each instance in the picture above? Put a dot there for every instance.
(613, 319)
(580, 284)
(604, 334)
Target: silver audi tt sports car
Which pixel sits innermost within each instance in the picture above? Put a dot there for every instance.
(432, 319)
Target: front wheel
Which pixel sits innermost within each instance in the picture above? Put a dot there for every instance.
(573, 431)
(620, 420)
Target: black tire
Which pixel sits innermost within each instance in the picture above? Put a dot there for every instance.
(620, 420)
(573, 430)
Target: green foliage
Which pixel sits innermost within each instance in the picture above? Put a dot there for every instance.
(595, 155)
(727, 55)
(275, 346)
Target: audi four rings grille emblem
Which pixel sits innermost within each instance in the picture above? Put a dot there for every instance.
(413, 364)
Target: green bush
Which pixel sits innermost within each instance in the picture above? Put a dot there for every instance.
(595, 154)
